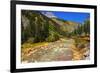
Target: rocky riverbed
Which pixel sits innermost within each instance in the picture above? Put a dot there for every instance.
(61, 50)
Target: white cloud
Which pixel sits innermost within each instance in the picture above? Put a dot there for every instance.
(49, 14)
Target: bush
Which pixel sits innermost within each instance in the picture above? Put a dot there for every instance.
(30, 40)
(53, 37)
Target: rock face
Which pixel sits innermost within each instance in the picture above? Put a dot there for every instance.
(25, 22)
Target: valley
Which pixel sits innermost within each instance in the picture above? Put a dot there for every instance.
(48, 38)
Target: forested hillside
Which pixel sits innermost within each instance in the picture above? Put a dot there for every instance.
(37, 27)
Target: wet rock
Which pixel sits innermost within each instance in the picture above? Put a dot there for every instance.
(86, 55)
(80, 46)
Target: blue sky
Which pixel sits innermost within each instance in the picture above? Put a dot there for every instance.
(79, 17)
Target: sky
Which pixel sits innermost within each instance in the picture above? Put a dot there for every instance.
(78, 17)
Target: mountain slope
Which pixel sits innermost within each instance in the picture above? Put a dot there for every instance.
(37, 27)
(66, 26)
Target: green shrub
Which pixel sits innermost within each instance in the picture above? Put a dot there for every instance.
(52, 37)
(30, 40)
